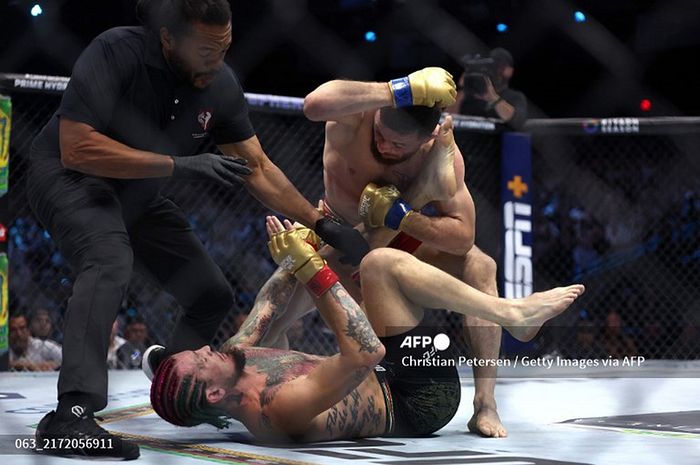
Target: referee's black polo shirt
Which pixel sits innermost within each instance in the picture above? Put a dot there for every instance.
(122, 86)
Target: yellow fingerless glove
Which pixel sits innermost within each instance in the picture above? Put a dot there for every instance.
(291, 251)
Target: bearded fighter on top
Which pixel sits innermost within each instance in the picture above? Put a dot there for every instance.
(382, 140)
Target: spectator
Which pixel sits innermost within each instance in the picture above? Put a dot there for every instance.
(483, 89)
(652, 340)
(616, 343)
(130, 354)
(129, 357)
(588, 345)
(41, 324)
(585, 254)
(687, 345)
(28, 353)
(136, 332)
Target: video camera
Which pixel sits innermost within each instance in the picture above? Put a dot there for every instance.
(477, 69)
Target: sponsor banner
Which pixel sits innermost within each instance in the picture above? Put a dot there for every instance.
(33, 82)
(516, 206)
(5, 123)
(611, 126)
(4, 317)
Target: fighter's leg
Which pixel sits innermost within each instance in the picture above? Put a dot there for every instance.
(479, 271)
(484, 339)
(389, 310)
(415, 284)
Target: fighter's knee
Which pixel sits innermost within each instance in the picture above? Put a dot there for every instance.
(379, 260)
(371, 261)
(487, 265)
(480, 268)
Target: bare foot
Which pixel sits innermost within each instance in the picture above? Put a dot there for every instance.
(536, 309)
(486, 422)
(437, 179)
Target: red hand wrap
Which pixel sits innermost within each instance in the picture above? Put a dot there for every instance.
(322, 281)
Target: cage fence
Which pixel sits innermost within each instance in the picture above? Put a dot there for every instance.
(617, 212)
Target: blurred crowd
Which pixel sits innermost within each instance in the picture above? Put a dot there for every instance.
(41, 282)
(642, 272)
(571, 244)
(630, 231)
(35, 342)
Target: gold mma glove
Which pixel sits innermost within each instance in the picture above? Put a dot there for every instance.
(292, 251)
(427, 87)
(382, 206)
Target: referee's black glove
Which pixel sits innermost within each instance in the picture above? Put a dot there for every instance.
(210, 166)
(344, 238)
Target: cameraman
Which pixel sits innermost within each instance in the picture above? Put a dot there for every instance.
(483, 89)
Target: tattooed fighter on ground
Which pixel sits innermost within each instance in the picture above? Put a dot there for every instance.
(364, 390)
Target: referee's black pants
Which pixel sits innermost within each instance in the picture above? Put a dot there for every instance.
(104, 243)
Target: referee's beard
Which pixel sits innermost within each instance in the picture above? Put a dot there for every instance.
(184, 72)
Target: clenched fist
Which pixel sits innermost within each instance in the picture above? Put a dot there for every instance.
(428, 87)
(382, 206)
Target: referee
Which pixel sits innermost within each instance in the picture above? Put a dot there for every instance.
(140, 102)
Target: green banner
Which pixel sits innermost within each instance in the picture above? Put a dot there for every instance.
(5, 120)
(3, 303)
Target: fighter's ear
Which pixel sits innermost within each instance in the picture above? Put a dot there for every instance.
(166, 39)
(215, 394)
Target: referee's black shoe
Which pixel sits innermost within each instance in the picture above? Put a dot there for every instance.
(80, 436)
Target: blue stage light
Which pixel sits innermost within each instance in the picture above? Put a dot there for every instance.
(579, 16)
(501, 27)
(370, 36)
(36, 10)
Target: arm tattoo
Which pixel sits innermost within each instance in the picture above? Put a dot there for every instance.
(358, 328)
(270, 303)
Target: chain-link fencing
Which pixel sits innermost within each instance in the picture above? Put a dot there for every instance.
(229, 223)
(619, 213)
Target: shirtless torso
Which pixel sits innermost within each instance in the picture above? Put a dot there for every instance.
(348, 166)
(361, 413)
